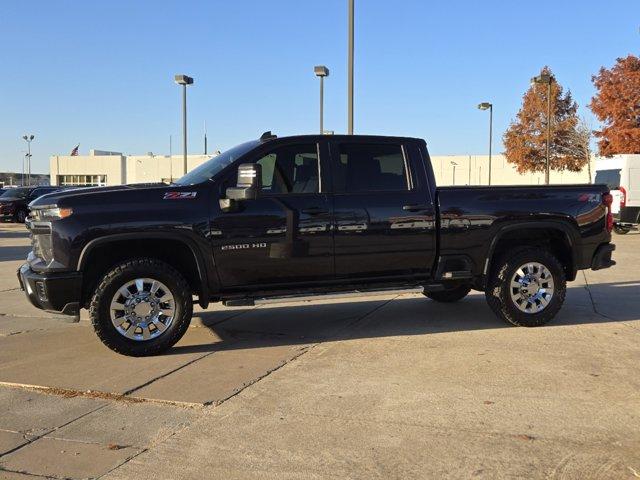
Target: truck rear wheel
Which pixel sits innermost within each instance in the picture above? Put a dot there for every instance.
(449, 295)
(527, 287)
(621, 230)
(141, 307)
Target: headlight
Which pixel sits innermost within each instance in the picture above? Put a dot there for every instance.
(52, 212)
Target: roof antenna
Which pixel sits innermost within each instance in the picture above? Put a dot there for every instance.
(267, 136)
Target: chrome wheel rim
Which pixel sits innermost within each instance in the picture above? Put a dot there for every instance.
(531, 287)
(142, 309)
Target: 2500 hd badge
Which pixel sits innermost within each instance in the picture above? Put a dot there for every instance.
(243, 246)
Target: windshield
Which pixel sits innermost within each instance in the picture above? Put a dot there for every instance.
(16, 193)
(611, 178)
(210, 168)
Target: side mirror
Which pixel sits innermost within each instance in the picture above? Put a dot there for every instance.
(248, 187)
(249, 183)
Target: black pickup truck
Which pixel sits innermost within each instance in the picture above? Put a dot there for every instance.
(302, 216)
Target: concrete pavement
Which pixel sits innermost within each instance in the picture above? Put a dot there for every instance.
(384, 387)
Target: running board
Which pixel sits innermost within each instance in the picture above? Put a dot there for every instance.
(249, 302)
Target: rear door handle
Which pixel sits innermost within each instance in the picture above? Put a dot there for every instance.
(314, 211)
(415, 208)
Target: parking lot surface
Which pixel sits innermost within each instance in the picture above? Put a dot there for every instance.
(376, 387)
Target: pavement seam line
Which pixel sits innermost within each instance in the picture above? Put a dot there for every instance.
(303, 350)
(215, 404)
(21, 472)
(160, 377)
(595, 309)
(147, 448)
(96, 395)
(166, 374)
(125, 461)
(38, 437)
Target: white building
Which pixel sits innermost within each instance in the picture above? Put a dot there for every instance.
(474, 170)
(114, 168)
(101, 168)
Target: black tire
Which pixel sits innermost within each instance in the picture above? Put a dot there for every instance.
(99, 309)
(21, 215)
(498, 292)
(450, 295)
(621, 230)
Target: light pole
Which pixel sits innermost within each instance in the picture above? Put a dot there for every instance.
(350, 68)
(454, 171)
(489, 106)
(184, 80)
(321, 71)
(546, 79)
(28, 138)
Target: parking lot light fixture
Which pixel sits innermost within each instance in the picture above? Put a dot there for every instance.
(321, 71)
(454, 165)
(546, 79)
(489, 106)
(184, 80)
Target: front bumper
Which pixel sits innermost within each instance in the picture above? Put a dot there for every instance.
(53, 292)
(602, 257)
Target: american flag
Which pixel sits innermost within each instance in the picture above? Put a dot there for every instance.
(74, 152)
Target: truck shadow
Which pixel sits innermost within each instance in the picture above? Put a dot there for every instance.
(21, 233)
(12, 252)
(278, 325)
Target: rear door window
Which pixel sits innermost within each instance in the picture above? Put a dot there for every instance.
(370, 168)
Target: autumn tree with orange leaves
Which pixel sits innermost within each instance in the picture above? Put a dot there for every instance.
(617, 106)
(525, 140)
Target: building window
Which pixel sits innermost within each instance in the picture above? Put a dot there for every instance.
(82, 180)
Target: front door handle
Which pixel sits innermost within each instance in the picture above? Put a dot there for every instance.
(415, 208)
(314, 211)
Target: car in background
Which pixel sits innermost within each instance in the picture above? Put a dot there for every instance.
(621, 174)
(2, 190)
(14, 202)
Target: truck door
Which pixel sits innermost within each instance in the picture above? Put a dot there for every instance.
(383, 212)
(284, 236)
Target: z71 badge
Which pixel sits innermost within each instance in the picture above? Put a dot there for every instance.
(179, 195)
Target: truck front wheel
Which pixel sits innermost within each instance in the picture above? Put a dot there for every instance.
(527, 287)
(141, 307)
(449, 295)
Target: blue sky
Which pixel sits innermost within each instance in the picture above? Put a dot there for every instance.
(101, 72)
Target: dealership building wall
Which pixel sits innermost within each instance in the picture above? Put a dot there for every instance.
(101, 168)
(114, 168)
(474, 170)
